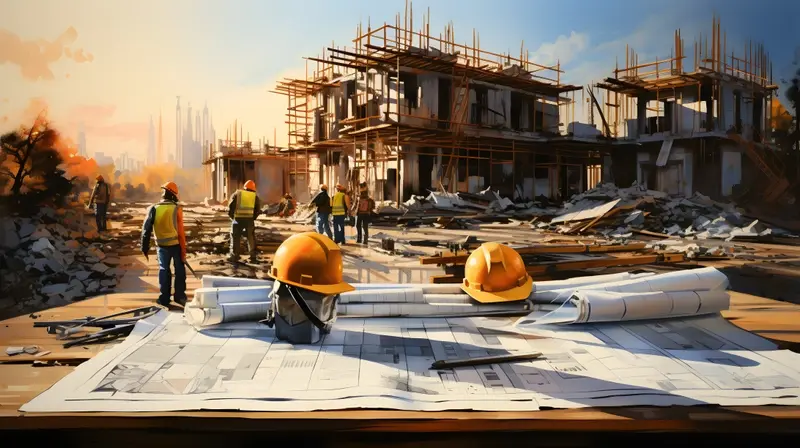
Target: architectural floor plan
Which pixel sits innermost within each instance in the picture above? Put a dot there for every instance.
(166, 364)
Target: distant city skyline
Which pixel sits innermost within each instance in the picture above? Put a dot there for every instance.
(192, 139)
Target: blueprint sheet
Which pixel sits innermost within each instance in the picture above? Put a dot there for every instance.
(167, 365)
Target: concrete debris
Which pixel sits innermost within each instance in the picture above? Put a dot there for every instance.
(49, 259)
(619, 213)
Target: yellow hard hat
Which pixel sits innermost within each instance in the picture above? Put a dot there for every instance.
(496, 273)
(310, 261)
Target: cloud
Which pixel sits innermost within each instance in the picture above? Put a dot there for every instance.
(563, 50)
(34, 57)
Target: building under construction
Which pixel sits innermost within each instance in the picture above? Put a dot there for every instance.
(231, 162)
(700, 124)
(408, 112)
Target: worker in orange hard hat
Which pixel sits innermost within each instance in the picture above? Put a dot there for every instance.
(243, 209)
(101, 197)
(340, 208)
(496, 273)
(165, 219)
(323, 203)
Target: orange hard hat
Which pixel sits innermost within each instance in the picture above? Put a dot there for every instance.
(171, 187)
(310, 261)
(250, 185)
(339, 187)
(99, 178)
(496, 273)
(323, 187)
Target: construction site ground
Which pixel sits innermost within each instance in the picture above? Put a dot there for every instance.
(755, 284)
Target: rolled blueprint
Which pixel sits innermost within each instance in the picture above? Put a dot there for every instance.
(413, 294)
(426, 309)
(575, 282)
(218, 281)
(226, 312)
(587, 306)
(704, 279)
(213, 297)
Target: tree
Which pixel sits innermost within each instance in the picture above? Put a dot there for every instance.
(20, 148)
(31, 163)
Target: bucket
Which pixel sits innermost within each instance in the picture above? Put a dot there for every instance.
(301, 316)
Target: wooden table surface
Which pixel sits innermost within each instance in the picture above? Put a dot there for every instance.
(21, 380)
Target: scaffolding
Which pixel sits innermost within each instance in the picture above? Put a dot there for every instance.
(379, 135)
(669, 79)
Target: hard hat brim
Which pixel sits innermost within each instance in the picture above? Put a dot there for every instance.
(326, 290)
(516, 294)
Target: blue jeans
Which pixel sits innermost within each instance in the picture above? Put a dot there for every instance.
(338, 229)
(323, 225)
(167, 255)
(100, 216)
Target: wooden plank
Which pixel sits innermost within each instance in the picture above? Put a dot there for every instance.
(461, 258)
(544, 268)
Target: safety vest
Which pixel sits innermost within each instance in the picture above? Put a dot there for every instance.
(245, 204)
(166, 224)
(337, 203)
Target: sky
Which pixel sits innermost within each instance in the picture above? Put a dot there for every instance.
(114, 64)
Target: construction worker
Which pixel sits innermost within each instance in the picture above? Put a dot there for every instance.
(287, 206)
(165, 219)
(307, 269)
(362, 210)
(496, 273)
(323, 203)
(101, 197)
(340, 207)
(243, 210)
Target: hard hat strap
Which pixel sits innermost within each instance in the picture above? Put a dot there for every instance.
(325, 327)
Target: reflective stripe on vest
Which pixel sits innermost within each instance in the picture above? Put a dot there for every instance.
(246, 204)
(166, 224)
(338, 204)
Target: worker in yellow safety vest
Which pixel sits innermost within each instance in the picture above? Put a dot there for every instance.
(243, 209)
(340, 207)
(165, 219)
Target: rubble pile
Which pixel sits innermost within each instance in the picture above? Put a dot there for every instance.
(53, 258)
(618, 213)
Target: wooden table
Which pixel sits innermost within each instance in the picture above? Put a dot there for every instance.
(21, 381)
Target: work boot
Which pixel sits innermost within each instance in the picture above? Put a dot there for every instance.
(180, 301)
(253, 260)
(233, 258)
(164, 303)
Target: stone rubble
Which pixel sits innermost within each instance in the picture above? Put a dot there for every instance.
(52, 259)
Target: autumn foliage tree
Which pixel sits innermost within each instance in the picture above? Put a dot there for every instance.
(30, 166)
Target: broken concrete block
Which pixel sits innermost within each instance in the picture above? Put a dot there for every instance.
(54, 289)
(99, 267)
(9, 239)
(26, 229)
(82, 275)
(42, 246)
